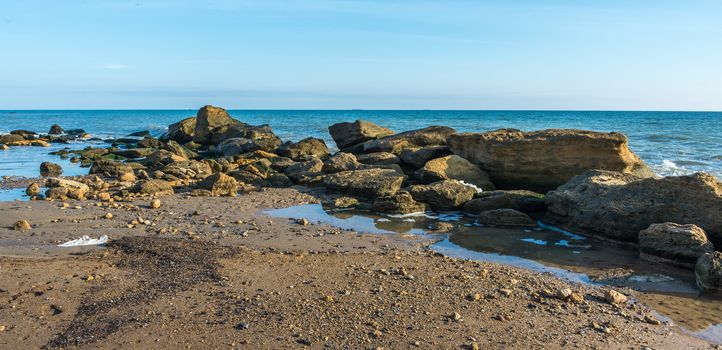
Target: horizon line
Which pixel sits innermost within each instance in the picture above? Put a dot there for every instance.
(363, 109)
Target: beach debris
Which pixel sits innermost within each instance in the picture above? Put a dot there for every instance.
(85, 240)
(22, 225)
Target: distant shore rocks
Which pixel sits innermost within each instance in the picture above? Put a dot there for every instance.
(543, 160)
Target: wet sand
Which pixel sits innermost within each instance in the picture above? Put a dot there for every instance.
(218, 273)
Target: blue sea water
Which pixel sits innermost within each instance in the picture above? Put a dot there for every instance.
(672, 143)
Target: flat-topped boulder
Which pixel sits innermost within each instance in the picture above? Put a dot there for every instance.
(505, 218)
(453, 167)
(366, 183)
(520, 200)
(348, 134)
(309, 147)
(429, 136)
(443, 195)
(680, 244)
(543, 160)
(618, 206)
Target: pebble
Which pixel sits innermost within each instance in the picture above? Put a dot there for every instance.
(155, 204)
(614, 297)
(2, 328)
(302, 222)
(22, 225)
(108, 216)
(652, 320)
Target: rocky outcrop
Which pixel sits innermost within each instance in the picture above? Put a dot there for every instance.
(679, 244)
(367, 183)
(181, 131)
(219, 184)
(399, 203)
(443, 195)
(454, 167)
(349, 134)
(505, 218)
(208, 119)
(708, 271)
(417, 157)
(520, 200)
(429, 136)
(543, 160)
(302, 150)
(50, 169)
(619, 205)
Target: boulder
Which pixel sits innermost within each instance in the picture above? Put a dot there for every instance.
(619, 205)
(134, 153)
(236, 146)
(109, 168)
(520, 200)
(179, 150)
(181, 131)
(262, 136)
(417, 157)
(207, 120)
(352, 133)
(11, 139)
(341, 161)
(247, 177)
(378, 158)
(150, 142)
(153, 187)
(279, 180)
(454, 167)
(219, 184)
(443, 195)
(399, 203)
(26, 134)
(190, 169)
(304, 171)
(302, 150)
(429, 136)
(679, 244)
(343, 202)
(162, 157)
(543, 160)
(281, 163)
(366, 183)
(708, 271)
(50, 169)
(72, 189)
(55, 129)
(32, 190)
(505, 218)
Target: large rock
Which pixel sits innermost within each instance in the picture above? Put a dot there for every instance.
(179, 150)
(153, 187)
(341, 161)
(620, 205)
(219, 184)
(348, 134)
(190, 169)
(708, 271)
(378, 158)
(50, 169)
(443, 195)
(56, 129)
(417, 157)
(505, 218)
(110, 168)
(11, 139)
(399, 203)
(520, 200)
(207, 120)
(680, 244)
(71, 189)
(262, 136)
(429, 136)
(304, 172)
(181, 131)
(543, 160)
(367, 183)
(236, 146)
(307, 148)
(454, 167)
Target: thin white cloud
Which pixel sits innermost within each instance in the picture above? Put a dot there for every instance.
(112, 66)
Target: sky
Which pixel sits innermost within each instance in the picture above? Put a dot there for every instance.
(375, 54)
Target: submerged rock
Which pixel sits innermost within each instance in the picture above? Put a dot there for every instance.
(454, 167)
(349, 134)
(219, 184)
(521, 200)
(680, 244)
(50, 169)
(543, 160)
(307, 148)
(367, 183)
(708, 271)
(619, 205)
(505, 218)
(399, 203)
(443, 195)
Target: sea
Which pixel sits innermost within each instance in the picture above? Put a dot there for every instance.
(672, 143)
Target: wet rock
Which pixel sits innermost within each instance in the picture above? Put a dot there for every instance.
(680, 244)
(302, 170)
(430, 136)
(22, 225)
(153, 187)
(708, 271)
(55, 129)
(454, 167)
(50, 169)
(219, 184)
(4, 147)
(521, 200)
(208, 119)
(181, 131)
(26, 134)
(367, 183)
(302, 150)
(543, 160)
(144, 133)
(74, 189)
(417, 157)
(344, 202)
(341, 161)
(110, 168)
(33, 190)
(505, 218)
(378, 158)
(399, 203)
(443, 195)
(352, 133)
(442, 227)
(11, 139)
(619, 205)
(614, 297)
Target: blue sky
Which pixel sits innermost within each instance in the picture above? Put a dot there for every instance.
(339, 54)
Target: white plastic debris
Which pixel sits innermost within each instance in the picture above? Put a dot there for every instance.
(85, 240)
